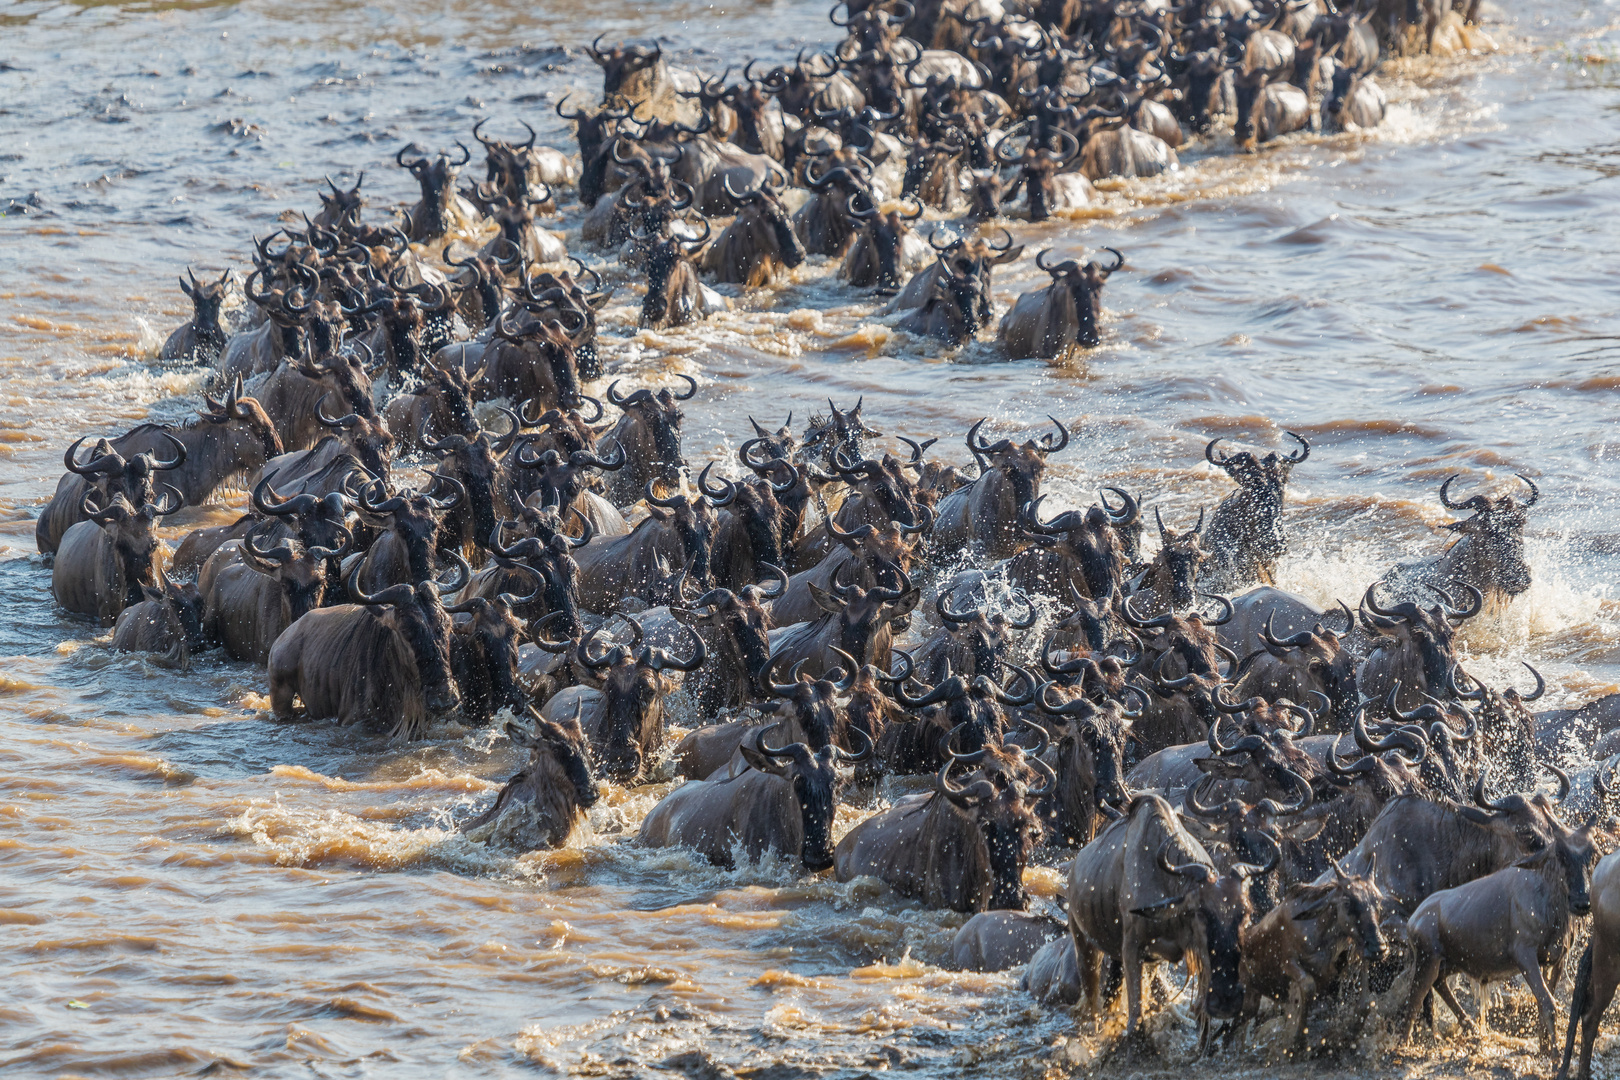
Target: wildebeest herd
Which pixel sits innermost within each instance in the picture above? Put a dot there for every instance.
(1317, 809)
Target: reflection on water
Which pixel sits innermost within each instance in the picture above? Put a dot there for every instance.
(202, 886)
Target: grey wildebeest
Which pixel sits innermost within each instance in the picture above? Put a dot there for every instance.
(168, 622)
(105, 561)
(384, 660)
(649, 433)
(783, 802)
(1412, 646)
(1145, 889)
(858, 621)
(999, 940)
(1489, 556)
(202, 339)
(983, 517)
(1245, 536)
(1599, 971)
(1512, 922)
(960, 847)
(544, 802)
(678, 530)
(1048, 323)
(759, 245)
(105, 474)
(251, 594)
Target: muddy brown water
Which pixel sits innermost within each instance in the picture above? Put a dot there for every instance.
(187, 887)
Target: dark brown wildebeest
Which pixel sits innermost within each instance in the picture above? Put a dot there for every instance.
(407, 551)
(252, 594)
(1090, 761)
(484, 653)
(970, 642)
(649, 433)
(1048, 323)
(1599, 971)
(1245, 537)
(544, 802)
(383, 661)
(861, 554)
(1144, 890)
(1507, 728)
(168, 622)
(1083, 550)
(202, 339)
(1490, 554)
(532, 358)
(879, 256)
(750, 533)
(107, 560)
(1171, 579)
(738, 629)
(625, 719)
(1047, 188)
(952, 309)
(364, 441)
(1511, 922)
(1412, 646)
(983, 517)
(1306, 944)
(675, 294)
(784, 801)
(759, 245)
(962, 848)
(1314, 660)
(107, 473)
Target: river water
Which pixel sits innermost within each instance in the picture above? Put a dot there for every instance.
(187, 887)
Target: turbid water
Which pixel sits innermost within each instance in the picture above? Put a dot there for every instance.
(187, 887)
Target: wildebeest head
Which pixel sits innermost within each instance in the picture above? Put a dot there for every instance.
(875, 257)
(814, 777)
(1253, 830)
(1091, 542)
(506, 163)
(414, 518)
(243, 425)
(621, 62)
(1019, 466)
(1037, 165)
(808, 707)
(182, 613)
(474, 464)
(562, 477)
(484, 652)
(133, 541)
(1091, 756)
(107, 473)
(633, 688)
(341, 209)
(1000, 802)
(1221, 907)
(207, 297)
(1531, 820)
(754, 506)
(986, 638)
(651, 429)
(862, 615)
(1420, 639)
(1356, 907)
(1173, 574)
(673, 291)
(1496, 535)
(882, 483)
(1507, 728)
(367, 438)
(436, 176)
(694, 522)
(417, 614)
(1314, 658)
(1264, 478)
(761, 209)
(548, 555)
(299, 571)
(539, 806)
(1084, 285)
(743, 628)
(838, 431)
(550, 339)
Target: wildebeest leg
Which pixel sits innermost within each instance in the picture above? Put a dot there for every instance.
(1530, 965)
(1463, 1018)
(1424, 974)
(1089, 962)
(1599, 975)
(1131, 958)
(1301, 992)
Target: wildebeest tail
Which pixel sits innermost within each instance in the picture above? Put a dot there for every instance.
(1577, 1005)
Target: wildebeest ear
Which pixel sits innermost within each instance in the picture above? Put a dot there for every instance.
(1308, 830)
(1218, 767)
(1314, 908)
(519, 736)
(756, 760)
(155, 595)
(906, 603)
(823, 600)
(1161, 909)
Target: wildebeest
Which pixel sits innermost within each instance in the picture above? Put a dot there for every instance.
(783, 802)
(999, 940)
(961, 847)
(1512, 922)
(168, 622)
(1145, 889)
(759, 244)
(384, 660)
(1489, 556)
(202, 339)
(1245, 536)
(1048, 323)
(983, 517)
(1599, 971)
(106, 473)
(105, 561)
(544, 802)
(1412, 646)
(252, 594)
(649, 433)
(858, 621)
